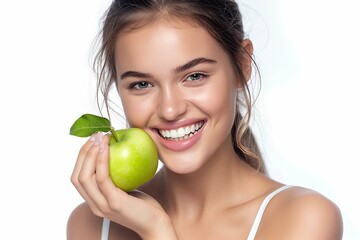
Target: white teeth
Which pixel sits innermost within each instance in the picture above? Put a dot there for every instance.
(181, 133)
(187, 130)
(173, 134)
(166, 134)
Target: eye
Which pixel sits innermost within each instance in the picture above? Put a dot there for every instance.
(196, 77)
(140, 85)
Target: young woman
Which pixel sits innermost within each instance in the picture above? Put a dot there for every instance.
(181, 69)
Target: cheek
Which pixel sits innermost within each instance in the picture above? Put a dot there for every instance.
(218, 99)
(137, 111)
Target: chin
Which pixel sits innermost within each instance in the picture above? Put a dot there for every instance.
(181, 166)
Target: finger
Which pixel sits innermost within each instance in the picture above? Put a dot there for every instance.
(93, 140)
(89, 187)
(111, 192)
(102, 163)
(87, 152)
(145, 197)
(78, 165)
(85, 178)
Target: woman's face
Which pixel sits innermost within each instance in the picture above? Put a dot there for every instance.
(177, 83)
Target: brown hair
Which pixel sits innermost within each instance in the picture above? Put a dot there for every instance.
(221, 18)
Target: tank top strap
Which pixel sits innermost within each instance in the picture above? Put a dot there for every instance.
(106, 222)
(105, 229)
(261, 211)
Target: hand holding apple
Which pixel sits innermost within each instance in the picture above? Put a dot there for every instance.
(133, 157)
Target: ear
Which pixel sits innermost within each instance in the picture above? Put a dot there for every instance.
(245, 58)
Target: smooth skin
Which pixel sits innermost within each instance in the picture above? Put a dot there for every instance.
(170, 75)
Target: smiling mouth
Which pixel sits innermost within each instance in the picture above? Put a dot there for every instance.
(181, 133)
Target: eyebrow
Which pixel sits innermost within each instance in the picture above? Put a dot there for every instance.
(135, 74)
(179, 69)
(193, 63)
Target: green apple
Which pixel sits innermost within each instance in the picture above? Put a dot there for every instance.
(133, 158)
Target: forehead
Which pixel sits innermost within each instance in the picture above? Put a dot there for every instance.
(166, 42)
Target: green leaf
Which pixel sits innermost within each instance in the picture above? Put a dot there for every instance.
(88, 124)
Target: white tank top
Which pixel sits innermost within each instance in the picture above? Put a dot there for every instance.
(253, 230)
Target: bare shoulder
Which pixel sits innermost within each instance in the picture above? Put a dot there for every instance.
(301, 213)
(83, 224)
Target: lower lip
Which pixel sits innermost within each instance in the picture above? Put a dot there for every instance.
(181, 144)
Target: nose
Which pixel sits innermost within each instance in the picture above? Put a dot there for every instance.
(172, 104)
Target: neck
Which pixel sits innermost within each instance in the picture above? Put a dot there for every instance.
(197, 193)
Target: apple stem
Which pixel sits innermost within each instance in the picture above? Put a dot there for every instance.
(112, 130)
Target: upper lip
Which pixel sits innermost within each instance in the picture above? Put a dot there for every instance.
(178, 124)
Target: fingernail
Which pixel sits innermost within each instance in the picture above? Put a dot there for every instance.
(96, 138)
(102, 145)
(101, 148)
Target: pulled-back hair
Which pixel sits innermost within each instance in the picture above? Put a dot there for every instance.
(223, 21)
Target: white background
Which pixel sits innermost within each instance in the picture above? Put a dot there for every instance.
(307, 116)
